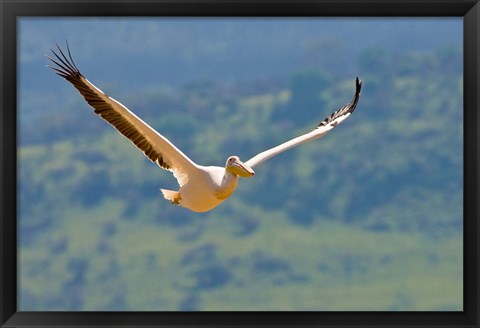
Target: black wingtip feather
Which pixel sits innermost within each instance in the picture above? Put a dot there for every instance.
(65, 66)
(348, 109)
(358, 86)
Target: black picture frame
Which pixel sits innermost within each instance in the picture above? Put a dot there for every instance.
(11, 10)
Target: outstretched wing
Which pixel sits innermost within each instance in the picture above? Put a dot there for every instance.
(325, 126)
(155, 146)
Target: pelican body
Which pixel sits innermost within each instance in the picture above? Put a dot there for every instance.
(220, 181)
(202, 188)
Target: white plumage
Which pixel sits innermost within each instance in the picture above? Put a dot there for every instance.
(202, 188)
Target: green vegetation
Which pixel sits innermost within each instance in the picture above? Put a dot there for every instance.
(368, 218)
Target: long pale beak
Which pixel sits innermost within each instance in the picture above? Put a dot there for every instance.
(239, 168)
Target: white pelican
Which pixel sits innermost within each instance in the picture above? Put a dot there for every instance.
(202, 188)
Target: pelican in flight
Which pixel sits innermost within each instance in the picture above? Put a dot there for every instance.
(202, 188)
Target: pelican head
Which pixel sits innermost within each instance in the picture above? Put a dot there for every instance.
(235, 166)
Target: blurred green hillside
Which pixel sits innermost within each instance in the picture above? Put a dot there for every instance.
(367, 218)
